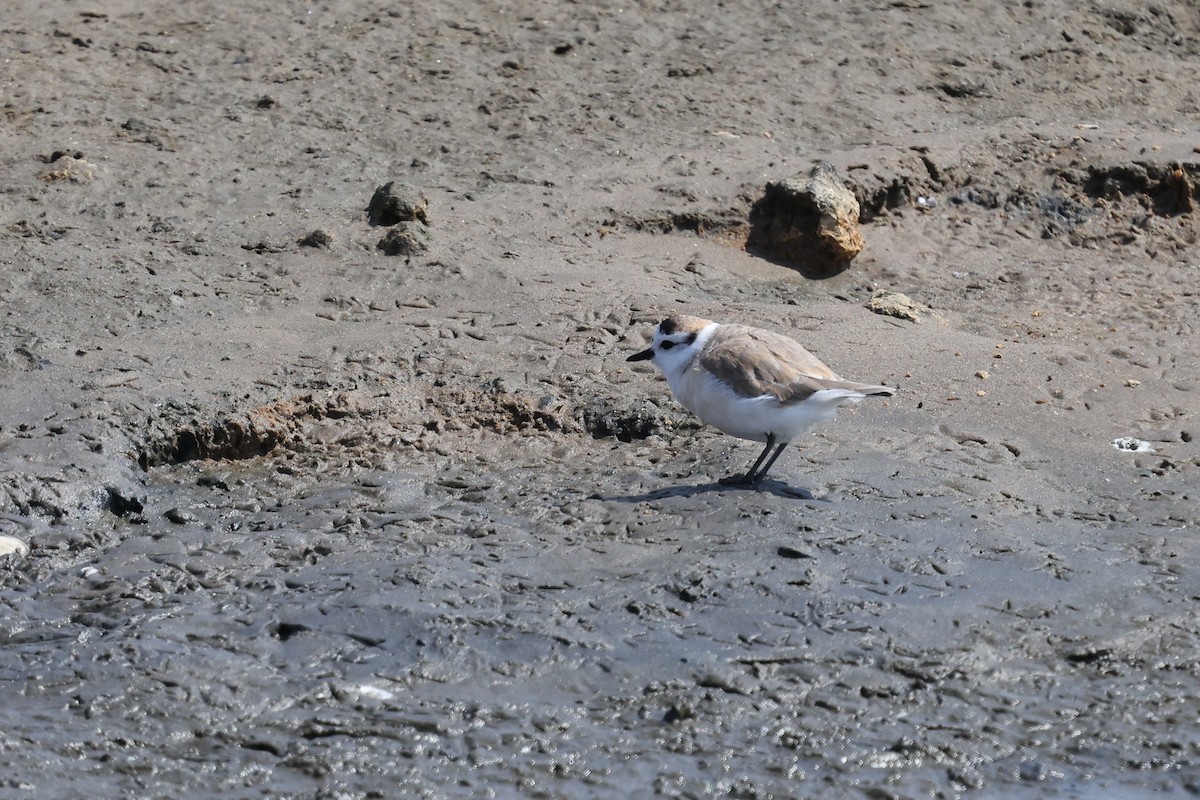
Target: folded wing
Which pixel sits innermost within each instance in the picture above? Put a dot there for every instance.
(755, 362)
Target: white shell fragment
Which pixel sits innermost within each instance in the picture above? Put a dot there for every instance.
(11, 544)
(1132, 445)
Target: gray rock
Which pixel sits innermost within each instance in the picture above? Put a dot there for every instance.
(180, 516)
(396, 202)
(405, 239)
(316, 238)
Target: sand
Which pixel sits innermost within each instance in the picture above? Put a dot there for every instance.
(311, 517)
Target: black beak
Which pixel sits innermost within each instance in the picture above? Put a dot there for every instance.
(645, 355)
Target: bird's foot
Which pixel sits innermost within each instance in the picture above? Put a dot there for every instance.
(748, 479)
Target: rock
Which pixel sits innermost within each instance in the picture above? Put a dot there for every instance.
(404, 207)
(810, 223)
(140, 130)
(396, 202)
(180, 516)
(405, 239)
(317, 238)
(125, 501)
(137, 125)
(1179, 191)
(57, 154)
(69, 168)
(895, 304)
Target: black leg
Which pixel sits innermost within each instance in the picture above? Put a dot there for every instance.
(763, 472)
(749, 477)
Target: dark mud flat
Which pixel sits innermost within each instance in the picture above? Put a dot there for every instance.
(309, 516)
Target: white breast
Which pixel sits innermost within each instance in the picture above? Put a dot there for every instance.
(754, 417)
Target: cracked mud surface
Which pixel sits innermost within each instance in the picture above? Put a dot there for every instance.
(309, 520)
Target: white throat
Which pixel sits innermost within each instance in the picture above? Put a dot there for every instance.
(675, 368)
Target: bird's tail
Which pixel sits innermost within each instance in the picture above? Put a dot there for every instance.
(862, 389)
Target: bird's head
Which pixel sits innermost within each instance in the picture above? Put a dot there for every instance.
(676, 341)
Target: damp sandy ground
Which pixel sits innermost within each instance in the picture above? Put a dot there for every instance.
(309, 520)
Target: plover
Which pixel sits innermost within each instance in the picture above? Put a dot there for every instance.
(750, 383)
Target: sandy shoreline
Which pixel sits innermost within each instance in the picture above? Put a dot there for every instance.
(311, 520)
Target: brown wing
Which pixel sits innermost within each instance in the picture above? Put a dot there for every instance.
(756, 362)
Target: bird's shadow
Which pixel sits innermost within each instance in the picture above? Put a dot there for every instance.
(777, 488)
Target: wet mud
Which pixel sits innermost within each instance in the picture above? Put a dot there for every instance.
(322, 499)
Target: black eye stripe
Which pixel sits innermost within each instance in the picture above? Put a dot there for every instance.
(667, 344)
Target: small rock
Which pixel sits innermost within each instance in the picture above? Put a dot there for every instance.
(678, 712)
(124, 502)
(1133, 383)
(727, 680)
(57, 154)
(263, 246)
(808, 222)
(137, 125)
(1180, 188)
(983, 374)
(1032, 771)
(966, 775)
(213, 481)
(139, 130)
(406, 239)
(396, 202)
(180, 516)
(895, 304)
(69, 168)
(317, 238)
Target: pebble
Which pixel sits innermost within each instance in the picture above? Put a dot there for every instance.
(316, 238)
(894, 304)
(180, 516)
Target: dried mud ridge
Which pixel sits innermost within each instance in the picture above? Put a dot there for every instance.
(1080, 202)
(186, 434)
